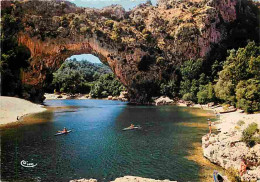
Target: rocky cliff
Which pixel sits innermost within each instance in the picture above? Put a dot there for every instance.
(142, 47)
(227, 149)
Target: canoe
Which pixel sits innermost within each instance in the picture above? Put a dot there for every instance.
(134, 128)
(61, 133)
(218, 177)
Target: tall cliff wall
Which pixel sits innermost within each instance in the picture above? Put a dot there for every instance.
(143, 46)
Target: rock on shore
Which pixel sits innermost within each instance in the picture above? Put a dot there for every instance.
(163, 101)
(226, 148)
(125, 179)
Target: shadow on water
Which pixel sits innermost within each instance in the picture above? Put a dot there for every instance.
(97, 147)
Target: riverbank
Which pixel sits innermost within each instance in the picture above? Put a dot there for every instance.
(64, 96)
(125, 179)
(12, 109)
(226, 149)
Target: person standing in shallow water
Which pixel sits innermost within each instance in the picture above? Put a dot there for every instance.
(209, 123)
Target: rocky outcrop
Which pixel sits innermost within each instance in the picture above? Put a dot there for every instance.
(142, 47)
(84, 180)
(125, 179)
(226, 148)
(163, 101)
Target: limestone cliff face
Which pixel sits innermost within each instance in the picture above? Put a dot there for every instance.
(142, 46)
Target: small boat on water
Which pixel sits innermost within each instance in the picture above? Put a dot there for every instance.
(132, 128)
(62, 133)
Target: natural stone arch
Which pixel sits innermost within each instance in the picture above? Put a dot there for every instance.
(142, 47)
(52, 53)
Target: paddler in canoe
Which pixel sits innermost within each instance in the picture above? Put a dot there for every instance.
(63, 131)
(131, 126)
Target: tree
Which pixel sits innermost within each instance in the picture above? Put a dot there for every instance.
(191, 69)
(168, 89)
(239, 80)
(248, 95)
(106, 85)
(14, 57)
(206, 94)
(191, 78)
(78, 76)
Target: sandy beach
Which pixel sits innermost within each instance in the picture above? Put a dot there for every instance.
(12, 108)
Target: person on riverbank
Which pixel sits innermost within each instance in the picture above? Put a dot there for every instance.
(209, 123)
(243, 167)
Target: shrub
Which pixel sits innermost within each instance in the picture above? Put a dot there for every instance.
(248, 135)
(115, 36)
(189, 97)
(148, 37)
(233, 175)
(160, 60)
(109, 23)
(83, 29)
(104, 94)
(240, 122)
(193, 9)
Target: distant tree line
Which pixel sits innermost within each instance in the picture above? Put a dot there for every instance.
(84, 77)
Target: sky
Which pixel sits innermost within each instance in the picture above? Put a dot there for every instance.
(91, 58)
(102, 3)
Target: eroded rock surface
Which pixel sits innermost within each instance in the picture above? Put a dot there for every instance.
(226, 148)
(142, 47)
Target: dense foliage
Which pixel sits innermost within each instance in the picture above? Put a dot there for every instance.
(236, 81)
(239, 81)
(85, 77)
(250, 135)
(14, 57)
(106, 85)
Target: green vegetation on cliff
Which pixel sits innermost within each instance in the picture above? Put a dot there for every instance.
(14, 57)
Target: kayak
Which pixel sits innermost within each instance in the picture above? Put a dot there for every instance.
(134, 128)
(62, 133)
(218, 177)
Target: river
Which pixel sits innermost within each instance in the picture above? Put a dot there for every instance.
(97, 147)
